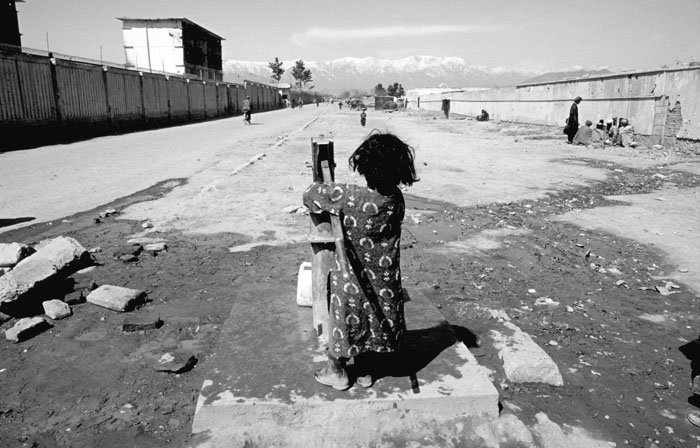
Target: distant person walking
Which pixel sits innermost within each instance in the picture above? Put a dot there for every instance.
(247, 109)
(571, 127)
(363, 118)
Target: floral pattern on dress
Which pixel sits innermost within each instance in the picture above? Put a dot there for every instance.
(367, 310)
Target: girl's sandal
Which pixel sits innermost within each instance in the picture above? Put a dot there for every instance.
(329, 378)
(365, 381)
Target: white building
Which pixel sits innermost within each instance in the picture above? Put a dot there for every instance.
(172, 45)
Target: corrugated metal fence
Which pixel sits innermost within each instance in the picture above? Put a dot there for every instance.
(47, 100)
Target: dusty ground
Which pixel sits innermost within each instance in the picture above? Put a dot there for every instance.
(500, 210)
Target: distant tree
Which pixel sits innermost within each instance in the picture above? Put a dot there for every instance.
(379, 90)
(277, 70)
(301, 74)
(345, 94)
(395, 89)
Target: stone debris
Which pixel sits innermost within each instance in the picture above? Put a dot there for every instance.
(655, 318)
(13, 253)
(108, 212)
(61, 257)
(155, 247)
(523, 360)
(56, 309)
(147, 225)
(131, 249)
(86, 270)
(128, 258)
(614, 271)
(116, 298)
(141, 323)
(665, 290)
(498, 314)
(551, 435)
(175, 364)
(26, 328)
(295, 209)
(85, 292)
(146, 240)
(546, 301)
(95, 250)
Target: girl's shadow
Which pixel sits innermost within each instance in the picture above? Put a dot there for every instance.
(419, 349)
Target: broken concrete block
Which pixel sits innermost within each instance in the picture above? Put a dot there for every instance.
(26, 328)
(140, 323)
(116, 298)
(13, 253)
(523, 360)
(155, 247)
(56, 309)
(58, 258)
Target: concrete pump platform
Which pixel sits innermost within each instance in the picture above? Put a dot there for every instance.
(261, 391)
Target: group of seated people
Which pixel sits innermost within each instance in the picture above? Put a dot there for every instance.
(606, 134)
(483, 116)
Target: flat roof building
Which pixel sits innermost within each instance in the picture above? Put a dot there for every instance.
(10, 37)
(172, 45)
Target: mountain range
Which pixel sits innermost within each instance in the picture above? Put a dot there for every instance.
(362, 74)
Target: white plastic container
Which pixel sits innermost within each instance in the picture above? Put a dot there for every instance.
(304, 290)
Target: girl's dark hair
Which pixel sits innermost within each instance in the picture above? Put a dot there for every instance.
(384, 160)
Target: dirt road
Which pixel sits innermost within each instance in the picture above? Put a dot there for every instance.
(501, 210)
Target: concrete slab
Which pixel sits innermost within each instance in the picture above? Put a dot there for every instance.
(116, 298)
(261, 390)
(59, 257)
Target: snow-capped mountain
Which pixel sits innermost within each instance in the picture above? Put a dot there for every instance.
(363, 74)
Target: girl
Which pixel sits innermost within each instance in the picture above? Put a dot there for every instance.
(366, 310)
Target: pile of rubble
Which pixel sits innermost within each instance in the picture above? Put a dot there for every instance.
(28, 274)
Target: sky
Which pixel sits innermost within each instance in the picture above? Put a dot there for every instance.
(544, 35)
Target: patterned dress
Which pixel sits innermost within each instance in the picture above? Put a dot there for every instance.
(366, 311)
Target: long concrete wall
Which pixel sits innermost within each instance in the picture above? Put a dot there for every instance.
(47, 100)
(646, 98)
